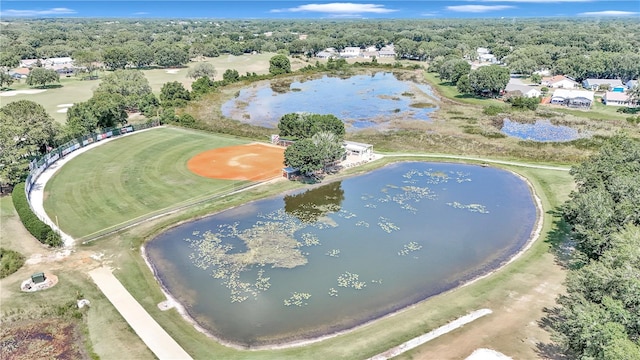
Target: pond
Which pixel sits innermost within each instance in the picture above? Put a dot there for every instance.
(361, 101)
(311, 263)
(541, 130)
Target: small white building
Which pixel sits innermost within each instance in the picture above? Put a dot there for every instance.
(387, 51)
(364, 151)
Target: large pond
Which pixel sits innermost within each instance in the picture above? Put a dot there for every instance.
(314, 262)
(361, 101)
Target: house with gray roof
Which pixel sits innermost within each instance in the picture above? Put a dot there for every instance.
(595, 84)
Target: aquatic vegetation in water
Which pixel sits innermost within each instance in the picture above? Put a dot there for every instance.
(333, 292)
(471, 207)
(362, 223)
(309, 239)
(542, 131)
(409, 248)
(297, 299)
(349, 280)
(386, 225)
(333, 253)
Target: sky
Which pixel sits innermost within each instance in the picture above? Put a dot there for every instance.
(318, 9)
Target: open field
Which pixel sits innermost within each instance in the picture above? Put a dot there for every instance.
(132, 177)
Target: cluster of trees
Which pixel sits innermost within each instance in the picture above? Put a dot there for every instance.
(599, 317)
(318, 140)
(120, 92)
(486, 81)
(576, 47)
(39, 76)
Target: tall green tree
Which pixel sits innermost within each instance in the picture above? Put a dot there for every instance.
(202, 69)
(26, 130)
(5, 79)
(489, 80)
(279, 64)
(116, 57)
(328, 145)
(171, 55)
(131, 84)
(452, 70)
(304, 156)
(305, 125)
(41, 77)
(202, 86)
(231, 76)
(174, 94)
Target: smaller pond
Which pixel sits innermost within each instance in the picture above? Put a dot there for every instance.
(541, 130)
(361, 101)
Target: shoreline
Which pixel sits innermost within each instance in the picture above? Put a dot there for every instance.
(533, 237)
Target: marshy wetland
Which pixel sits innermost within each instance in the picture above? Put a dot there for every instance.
(362, 101)
(310, 263)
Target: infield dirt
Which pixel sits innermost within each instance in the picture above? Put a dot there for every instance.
(255, 162)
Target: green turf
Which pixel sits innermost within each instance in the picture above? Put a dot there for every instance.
(129, 178)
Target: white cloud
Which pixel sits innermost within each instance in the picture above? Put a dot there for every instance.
(141, 13)
(338, 8)
(478, 8)
(35, 13)
(609, 13)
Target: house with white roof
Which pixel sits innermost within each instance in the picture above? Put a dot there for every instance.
(350, 52)
(559, 82)
(614, 98)
(572, 98)
(524, 90)
(595, 84)
(387, 51)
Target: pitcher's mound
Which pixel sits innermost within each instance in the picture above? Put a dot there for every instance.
(255, 162)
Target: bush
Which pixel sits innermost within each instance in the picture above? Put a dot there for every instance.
(492, 110)
(41, 231)
(10, 262)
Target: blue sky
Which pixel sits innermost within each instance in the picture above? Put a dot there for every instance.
(317, 9)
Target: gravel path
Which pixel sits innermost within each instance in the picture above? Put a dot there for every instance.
(153, 335)
(417, 341)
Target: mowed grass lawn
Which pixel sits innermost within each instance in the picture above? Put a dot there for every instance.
(129, 178)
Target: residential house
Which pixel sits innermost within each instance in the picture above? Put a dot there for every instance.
(20, 73)
(572, 98)
(614, 98)
(387, 51)
(524, 90)
(350, 52)
(484, 55)
(370, 52)
(631, 83)
(327, 53)
(559, 82)
(595, 84)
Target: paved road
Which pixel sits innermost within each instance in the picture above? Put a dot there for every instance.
(154, 336)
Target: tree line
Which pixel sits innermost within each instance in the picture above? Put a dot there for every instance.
(579, 48)
(599, 316)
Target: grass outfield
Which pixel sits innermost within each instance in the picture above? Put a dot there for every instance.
(131, 177)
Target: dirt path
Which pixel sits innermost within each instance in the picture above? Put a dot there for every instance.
(488, 161)
(153, 335)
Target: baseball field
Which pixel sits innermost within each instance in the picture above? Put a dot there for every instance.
(152, 172)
